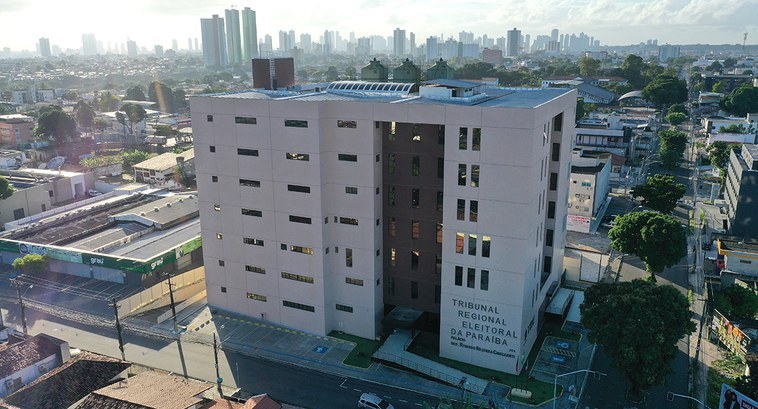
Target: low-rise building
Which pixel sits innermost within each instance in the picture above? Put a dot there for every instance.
(15, 129)
(588, 188)
(741, 192)
(163, 170)
(25, 361)
(601, 138)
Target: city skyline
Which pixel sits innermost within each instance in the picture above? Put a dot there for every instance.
(149, 24)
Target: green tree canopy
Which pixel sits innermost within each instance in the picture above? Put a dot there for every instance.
(130, 114)
(718, 152)
(719, 87)
(6, 189)
(6, 109)
(660, 193)
(677, 108)
(55, 124)
(332, 74)
(589, 67)
(673, 144)
(135, 93)
(180, 99)
(736, 302)
(162, 94)
(658, 239)
(741, 101)
(664, 90)
(132, 158)
(733, 128)
(638, 324)
(107, 101)
(676, 118)
(475, 71)
(85, 115)
(31, 263)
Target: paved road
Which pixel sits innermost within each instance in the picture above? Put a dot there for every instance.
(284, 382)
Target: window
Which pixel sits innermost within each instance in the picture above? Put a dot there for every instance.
(344, 308)
(553, 181)
(393, 256)
(212, 148)
(283, 246)
(439, 233)
(416, 133)
(393, 130)
(300, 219)
(440, 168)
(349, 220)
(484, 280)
(256, 297)
(250, 183)
(549, 237)
(459, 243)
(354, 281)
(473, 214)
(461, 175)
(255, 269)
(245, 120)
(414, 260)
(351, 190)
(476, 139)
(247, 152)
(472, 244)
(463, 139)
(486, 242)
(251, 212)
(391, 196)
(555, 154)
(219, 236)
(221, 263)
(341, 123)
(558, 122)
(474, 175)
(217, 207)
(377, 158)
(345, 157)
(299, 188)
(746, 262)
(223, 289)
(298, 306)
(392, 226)
(214, 179)
(415, 165)
(209, 118)
(415, 229)
(461, 213)
(348, 257)
(437, 294)
(440, 199)
(295, 123)
(546, 264)
(301, 249)
(551, 210)
(377, 190)
(298, 156)
(252, 242)
(414, 290)
(470, 277)
(441, 134)
(297, 277)
(391, 163)
(586, 184)
(459, 276)
(415, 198)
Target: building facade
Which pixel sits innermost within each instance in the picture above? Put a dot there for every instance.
(741, 192)
(323, 211)
(16, 129)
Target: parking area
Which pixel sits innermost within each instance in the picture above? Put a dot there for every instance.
(556, 356)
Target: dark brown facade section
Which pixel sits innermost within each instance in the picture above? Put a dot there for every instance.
(412, 194)
(273, 74)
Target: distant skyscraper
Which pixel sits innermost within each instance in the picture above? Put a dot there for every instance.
(268, 45)
(466, 37)
(44, 47)
(197, 46)
(189, 44)
(89, 44)
(174, 45)
(328, 43)
(306, 43)
(527, 43)
(513, 42)
(412, 50)
(159, 51)
(214, 41)
(667, 52)
(131, 48)
(432, 49)
(249, 35)
(500, 42)
(398, 41)
(233, 39)
(554, 35)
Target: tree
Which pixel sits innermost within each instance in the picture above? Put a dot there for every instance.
(108, 102)
(673, 144)
(70, 95)
(631, 69)
(660, 193)
(741, 101)
(733, 128)
(332, 74)
(676, 118)
(736, 302)
(180, 99)
(718, 152)
(132, 158)
(579, 108)
(130, 114)
(714, 66)
(664, 90)
(658, 239)
(55, 124)
(719, 87)
(6, 189)
(85, 115)
(476, 71)
(6, 109)
(589, 67)
(677, 108)
(163, 95)
(31, 263)
(638, 324)
(135, 93)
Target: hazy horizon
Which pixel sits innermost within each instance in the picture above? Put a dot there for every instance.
(149, 23)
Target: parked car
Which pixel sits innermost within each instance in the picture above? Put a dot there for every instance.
(372, 401)
(93, 193)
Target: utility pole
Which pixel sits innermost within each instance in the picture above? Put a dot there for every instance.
(17, 284)
(219, 380)
(114, 304)
(171, 296)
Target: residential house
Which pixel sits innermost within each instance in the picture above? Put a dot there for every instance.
(602, 138)
(730, 81)
(163, 170)
(737, 259)
(25, 361)
(16, 129)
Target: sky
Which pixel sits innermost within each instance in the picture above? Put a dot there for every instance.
(151, 22)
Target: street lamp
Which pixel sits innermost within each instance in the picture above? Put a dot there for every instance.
(555, 382)
(114, 304)
(670, 397)
(17, 283)
(171, 297)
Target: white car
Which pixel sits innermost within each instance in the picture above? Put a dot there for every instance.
(93, 193)
(371, 401)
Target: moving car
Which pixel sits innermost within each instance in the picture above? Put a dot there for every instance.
(371, 401)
